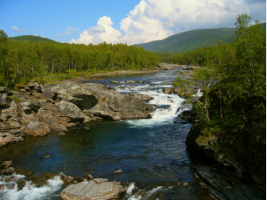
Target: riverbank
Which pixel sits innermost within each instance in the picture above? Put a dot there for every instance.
(72, 75)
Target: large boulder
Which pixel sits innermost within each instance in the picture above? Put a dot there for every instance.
(126, 106)
(72, 93)
(71, 111)
(144, 97)
(30, 106)
(37, 129)
(93, 190)
(97, 100)
(6, 138)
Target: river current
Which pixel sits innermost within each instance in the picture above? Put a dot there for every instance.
(151, 152)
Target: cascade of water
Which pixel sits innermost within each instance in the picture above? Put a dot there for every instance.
(30, 191)
(169, 103)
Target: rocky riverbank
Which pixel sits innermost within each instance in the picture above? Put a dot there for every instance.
(229, 173)
(36, 109)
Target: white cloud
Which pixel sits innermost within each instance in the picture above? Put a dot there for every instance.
(68, 33)
(157, 19)
(72, 29)
(17, 29)
(102, 32)
(60, 34)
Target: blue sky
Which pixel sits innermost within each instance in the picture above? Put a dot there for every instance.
(113, 21)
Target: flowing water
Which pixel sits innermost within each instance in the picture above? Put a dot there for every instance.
(151, 152)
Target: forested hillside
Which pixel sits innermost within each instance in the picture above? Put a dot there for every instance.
(24, 60)
(31, 38)
(233, 106)
(190, 40)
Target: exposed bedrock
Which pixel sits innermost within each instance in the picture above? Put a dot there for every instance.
(60, 106)
(96, 100)
(95, 189)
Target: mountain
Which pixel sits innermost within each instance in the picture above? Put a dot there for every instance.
(190, 40)
(31, 38)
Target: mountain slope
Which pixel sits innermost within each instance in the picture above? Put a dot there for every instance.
(190, 40)
(31, 38)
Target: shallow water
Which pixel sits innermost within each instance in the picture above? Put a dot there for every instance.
(151, 152)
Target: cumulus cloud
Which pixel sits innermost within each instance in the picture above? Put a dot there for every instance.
(157, 19)
(102, 32)
(60, 34)
(17, 29)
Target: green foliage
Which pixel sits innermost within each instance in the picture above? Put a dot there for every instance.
(233, 80)
(23, 60)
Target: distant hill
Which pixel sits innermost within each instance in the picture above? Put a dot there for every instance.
(190, 40)
(31, 38)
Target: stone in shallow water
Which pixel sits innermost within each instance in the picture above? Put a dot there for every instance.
(92, 190)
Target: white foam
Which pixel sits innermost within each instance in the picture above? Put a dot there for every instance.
(153, 191)
(160, 115)
(30, 191)
(198, 94)
(130, 189)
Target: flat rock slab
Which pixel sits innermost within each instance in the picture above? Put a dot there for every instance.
(92, 191)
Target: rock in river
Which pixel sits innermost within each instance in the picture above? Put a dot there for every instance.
(144, 97)
(92, 190)
(37, 129)
(71, 111)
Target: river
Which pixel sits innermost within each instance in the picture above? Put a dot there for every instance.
(151, 152)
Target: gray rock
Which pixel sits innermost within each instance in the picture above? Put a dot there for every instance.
(71, 111)
(5, 100)
(222, 187)
(18, 139)
(144, 97)
(37, 129)
(75, 94)
(185, 107)
(115, 82)
(167, 90)
(167, 68)
(42, 88)
(130, 81)
(59, 127)
(7, 164)
(67, 179)
(185, 184)
(118, 171)
(30, 106)
(8, 171)
(33, 85)
(124, 105)
(61, 133)
(92, 190)
(100, 180)
(4, 90)
(89, 176)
